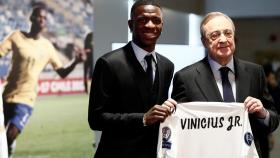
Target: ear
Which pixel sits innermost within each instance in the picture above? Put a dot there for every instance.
(203, 40)
(130, 25)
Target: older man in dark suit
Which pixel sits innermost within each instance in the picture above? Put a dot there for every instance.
(128, 86)
(223, 77)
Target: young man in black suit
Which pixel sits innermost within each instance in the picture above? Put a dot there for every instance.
(202, 81)
(128, 89)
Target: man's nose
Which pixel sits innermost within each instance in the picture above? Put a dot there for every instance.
(222, 38)
(150, 24)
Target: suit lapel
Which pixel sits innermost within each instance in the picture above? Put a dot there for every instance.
(160, 68)
(138, 74)
(206, 82)
(242, 80)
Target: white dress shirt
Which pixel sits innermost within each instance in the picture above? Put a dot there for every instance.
(231, 75)
(140, 55)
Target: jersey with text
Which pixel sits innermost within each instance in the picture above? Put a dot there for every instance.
(207, 130)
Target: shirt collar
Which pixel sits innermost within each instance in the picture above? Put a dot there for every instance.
(141, 53)
(216, 66)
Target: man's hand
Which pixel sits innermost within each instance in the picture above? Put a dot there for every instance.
(80, 54)
(159, 112)
(255, 106)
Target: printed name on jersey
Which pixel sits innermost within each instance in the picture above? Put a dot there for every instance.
(210, 122)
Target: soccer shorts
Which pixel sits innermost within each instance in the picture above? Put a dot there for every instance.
(17, 113)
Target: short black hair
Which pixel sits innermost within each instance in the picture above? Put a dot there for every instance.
(138, 3)
(36, 10)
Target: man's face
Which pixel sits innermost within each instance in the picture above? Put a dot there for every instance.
(219, 39)
(146, 26)
(40, 19)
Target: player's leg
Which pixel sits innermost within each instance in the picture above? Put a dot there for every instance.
(16, 117)
(12, 133)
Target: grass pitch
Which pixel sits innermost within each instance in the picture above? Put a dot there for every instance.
(58, 128)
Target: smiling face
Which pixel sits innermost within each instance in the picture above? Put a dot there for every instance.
(218, 38)
(146, 26)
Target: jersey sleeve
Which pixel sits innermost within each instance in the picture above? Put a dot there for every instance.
(6, 45)
(54, 58)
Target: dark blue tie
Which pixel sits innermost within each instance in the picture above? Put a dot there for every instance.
(149, 70)
(227, 90)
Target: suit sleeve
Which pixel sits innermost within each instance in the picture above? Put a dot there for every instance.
(269, 104)
(179, 90)
(103, 101)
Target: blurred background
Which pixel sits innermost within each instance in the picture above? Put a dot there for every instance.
(58, 127)
(68, 23)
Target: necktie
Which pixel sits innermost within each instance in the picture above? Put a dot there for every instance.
(149, 70)
(227, 90)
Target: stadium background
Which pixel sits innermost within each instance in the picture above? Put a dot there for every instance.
(58, 127)
(68, 24)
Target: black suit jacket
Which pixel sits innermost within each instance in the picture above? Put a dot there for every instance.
(118, 100)
(197, 83)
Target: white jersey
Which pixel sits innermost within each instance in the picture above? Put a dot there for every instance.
(207, 130)
(3, 139)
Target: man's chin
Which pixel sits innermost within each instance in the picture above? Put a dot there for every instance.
(149, 41)
(225, 52)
